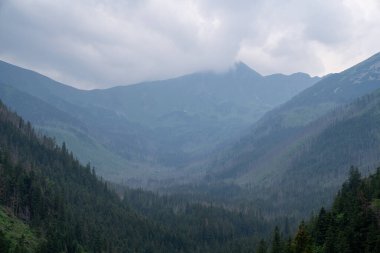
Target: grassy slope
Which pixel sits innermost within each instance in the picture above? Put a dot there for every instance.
(17, 232)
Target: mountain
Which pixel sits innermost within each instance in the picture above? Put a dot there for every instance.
(64, 127)
(282, 124)
(152, 129)
(59, 200)
(332, 91)
(299, 153)
(50, 203)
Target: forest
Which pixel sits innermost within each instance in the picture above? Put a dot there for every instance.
(351, 225)
(65, 207)
(52, 203)
(164, 126)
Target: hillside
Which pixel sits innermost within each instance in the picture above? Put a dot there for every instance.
(51, 203)
(317, 164)
(66, 204)
(298, 153)
(351, 225)
(148, 130)
(277, 128)
(15, 235)
(64, 128)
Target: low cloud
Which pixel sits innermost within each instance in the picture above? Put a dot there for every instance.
(103, 43)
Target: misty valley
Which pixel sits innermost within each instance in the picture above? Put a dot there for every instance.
(207, 162)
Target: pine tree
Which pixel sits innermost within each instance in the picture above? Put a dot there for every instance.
(276, 242)
(302, 240)
(262, 247)
(4, 244)
(289, 246)
(321, 227)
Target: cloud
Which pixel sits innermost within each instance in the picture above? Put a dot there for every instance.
(102, 43)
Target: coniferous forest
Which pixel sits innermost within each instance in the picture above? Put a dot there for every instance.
(351, 225)
(52, 203)
(66, 208)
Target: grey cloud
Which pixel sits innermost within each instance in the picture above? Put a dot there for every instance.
(102, 43)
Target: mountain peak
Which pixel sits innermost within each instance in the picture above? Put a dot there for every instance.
(242, 68)
(241, 65)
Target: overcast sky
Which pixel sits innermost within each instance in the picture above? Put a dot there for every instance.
(103, 43)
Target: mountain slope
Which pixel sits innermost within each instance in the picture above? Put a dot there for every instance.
(73, 212)
(352, 225)
(15, 235)
(317, 165)
(297, 155)
(150, 129)
(61, 206)
(65, 128)
(278, 128)
(332, 91)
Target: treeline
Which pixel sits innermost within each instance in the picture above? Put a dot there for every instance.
(351, 226)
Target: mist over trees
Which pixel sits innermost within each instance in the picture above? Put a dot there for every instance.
(228, 173)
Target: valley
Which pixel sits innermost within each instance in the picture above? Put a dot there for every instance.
(198, 163)
(163, 126)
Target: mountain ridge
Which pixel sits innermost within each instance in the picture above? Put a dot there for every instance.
(293, 149)
(307, 108)
(158, 124)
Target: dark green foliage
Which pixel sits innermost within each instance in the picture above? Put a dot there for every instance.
(277, 245)
(262, 247)
(15, 234)
(4, 243)
(288, 246)
(46, 187)
(353, 223)
(201, 222)
(302, 240)
(351, 226)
